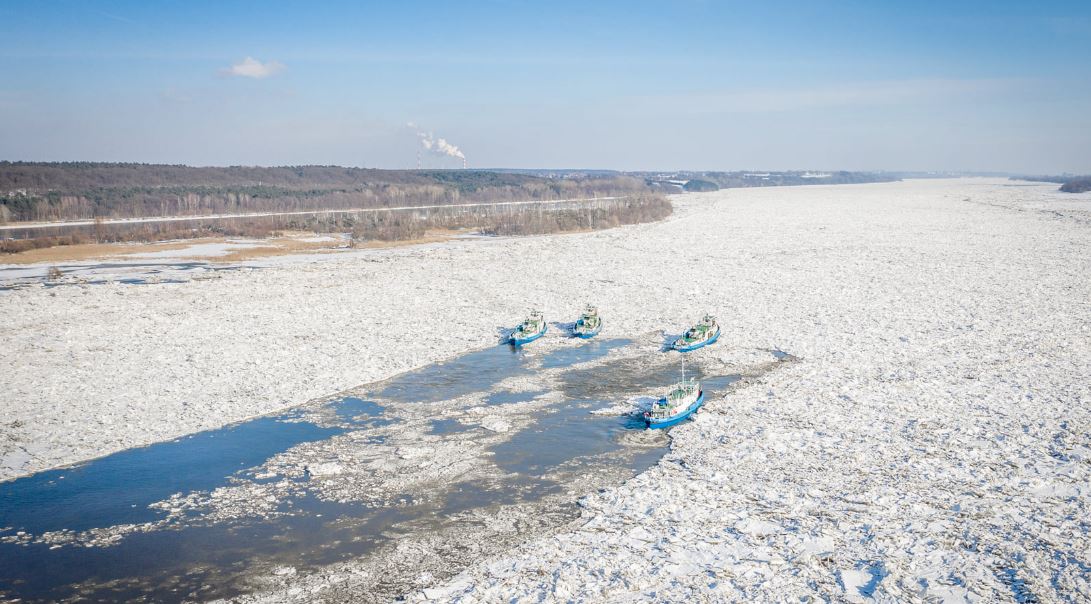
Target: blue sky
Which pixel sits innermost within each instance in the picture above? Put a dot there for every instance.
(1000, 86)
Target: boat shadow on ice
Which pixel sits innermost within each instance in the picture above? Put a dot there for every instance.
(565, 328)
(668, 341)
(503, 337)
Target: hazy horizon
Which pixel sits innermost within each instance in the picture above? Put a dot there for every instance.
(664, 170)
(982, 87)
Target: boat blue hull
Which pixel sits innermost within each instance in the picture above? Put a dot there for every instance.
(711, 340)
(670, 421)
(520, 341)
(586, 335)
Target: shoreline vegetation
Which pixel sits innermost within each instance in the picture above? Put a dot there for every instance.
(371, 205)
(394, 225)
(41, 192)
(536, 219)
(1077, 185)
(1069, 183)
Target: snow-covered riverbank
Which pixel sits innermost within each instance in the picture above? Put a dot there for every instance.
(932, 441)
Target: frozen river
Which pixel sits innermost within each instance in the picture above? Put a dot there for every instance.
(931, 443)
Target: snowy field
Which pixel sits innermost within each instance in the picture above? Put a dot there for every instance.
(933, 441)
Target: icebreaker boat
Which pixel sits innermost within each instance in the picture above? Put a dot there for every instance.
(683, 400)
(702, 334)
(589, 324)
(532, 328)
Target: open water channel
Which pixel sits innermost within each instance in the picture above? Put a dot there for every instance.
(433, 456)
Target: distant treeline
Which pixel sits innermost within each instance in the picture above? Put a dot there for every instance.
(1043, 178)
(783, 177)
(1078, 185)
(696, 185)
(1069, 183)
(711, 181)
(78, 190)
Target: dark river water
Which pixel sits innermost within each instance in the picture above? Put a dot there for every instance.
(201, 559)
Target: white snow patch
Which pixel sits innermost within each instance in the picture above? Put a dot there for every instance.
(635, 405)
(200, 250)
(330, 468)
(495, 424)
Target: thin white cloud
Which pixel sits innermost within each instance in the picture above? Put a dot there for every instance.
(253, 68)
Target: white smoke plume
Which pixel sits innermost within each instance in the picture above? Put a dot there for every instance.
(446, 148)
(439, 146)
